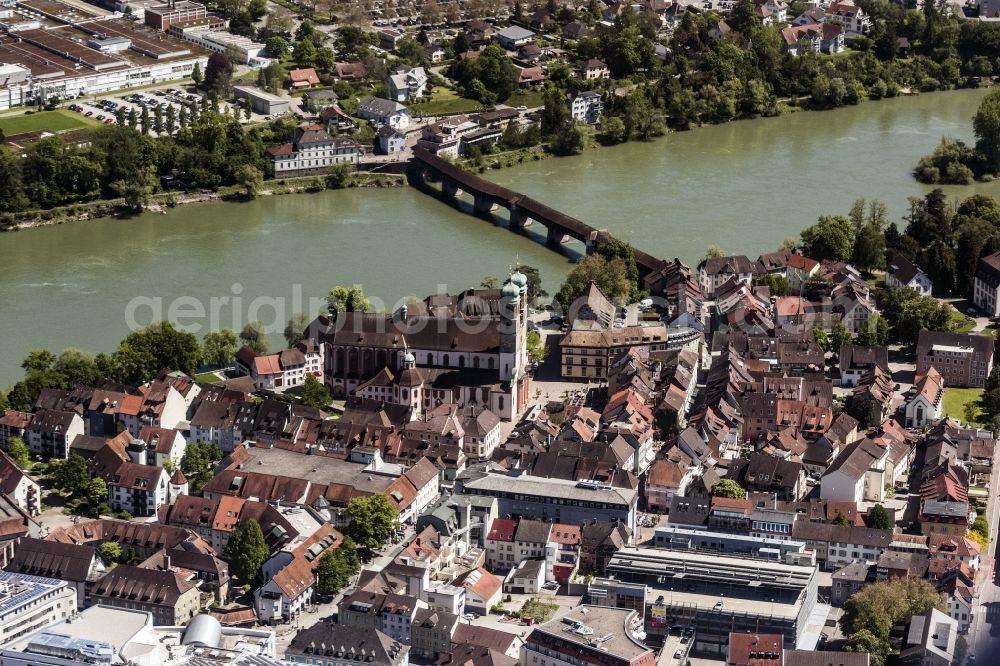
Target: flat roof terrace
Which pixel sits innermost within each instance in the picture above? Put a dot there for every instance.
(154, 44)
(62, 11)
(62, 44)
(41, 63)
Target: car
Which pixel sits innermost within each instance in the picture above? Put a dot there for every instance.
(100, 116)
(971, 311)
(679, 654)
(684, 640)
(718, 605)
(522, 108)
(89, 113)
(469, 616)
(108, 121)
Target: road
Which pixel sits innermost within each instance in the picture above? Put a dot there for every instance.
(984, 635)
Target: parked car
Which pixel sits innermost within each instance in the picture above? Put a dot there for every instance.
(99, 116)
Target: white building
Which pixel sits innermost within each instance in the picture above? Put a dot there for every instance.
(158, 405)
(931, 639)
(390, 140)
(926, 404)
(19, 487)
(902, 273)
(51, 432)
(250, 52)
(289, 575)
(407, 85)
(854, 474)
(586, 106)
(31, 603)
(380, 112)
(311, 150)
(283, 370)
(164, 444)
(986, 290)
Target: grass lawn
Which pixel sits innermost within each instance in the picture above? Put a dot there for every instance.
(207, 377)
(961, 322)
(955, 399)
(528, 98)
(59, 120)
(540, 610)
(444, 102)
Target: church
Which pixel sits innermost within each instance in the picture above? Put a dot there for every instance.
(465, 349)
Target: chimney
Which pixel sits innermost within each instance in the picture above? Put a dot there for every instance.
(166, 562)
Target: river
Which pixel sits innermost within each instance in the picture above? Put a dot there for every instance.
(744, 186)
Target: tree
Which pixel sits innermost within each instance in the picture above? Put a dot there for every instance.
(219, 347)
(198, 463)
(197, 76)
(831, 238)
(875, 333)
(611, 277)
(254, 336)
(714, 252)
(296, 328)
(314, 393)
(19, 453)
(821, 338)
(612, 130)
(728, 488)
(878, 518)
(135, 189)
(304, 53)
(981, 526)
(325, 59)
(537, 351)
(869, 248)
(870, 613)
(534, 286)
(841, 519)
(839, 336)
(372, 520)
(986, 125)
(97, 492)
(347, 299)
(251, 180)
(246, 551)
(144, 122)
(277, 47)
(866, 641)
(111, 551)
(336, 568)
(146, 351)
(72, 475)
(218, 76)
(490, 282)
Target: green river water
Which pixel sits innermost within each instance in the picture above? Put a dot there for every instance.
(744, 186)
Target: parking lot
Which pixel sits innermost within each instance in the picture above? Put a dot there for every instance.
(104, 108)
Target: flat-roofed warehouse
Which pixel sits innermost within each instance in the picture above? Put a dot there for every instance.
(713, 595)
(89, 57)
(261, 101)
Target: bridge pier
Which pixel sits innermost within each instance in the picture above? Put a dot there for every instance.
(555, 238)
(518, 220)
(482, 204)
(449, 188)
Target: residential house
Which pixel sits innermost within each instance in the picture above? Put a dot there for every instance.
(303, 78)
(332, 644)
(853, 474)
(500, 544)
(716, 271)
(856, 361)
(902, 273)
(944, 517)
(290, 575)
(849, 579)
(407, 85)
(530, 77)
(514, 37)
(311, 150)
(139, 489)
(958, 589)
(754, 649)
(13, 424)
(80, 565)
(954, 548)
(390, 140)
(855, 20)
(482, 590)
(158, 405)
(594, 69)
(986, 288)
(813, 38)
(930, 639)
(380, 112)
(585, 106)
(163, 444)
(350, 71)
(667, 478)
(171, 598)
(786, 479)
(527, 577)
(50, 432)
(19, 487)
(963, 359)
(925, 404)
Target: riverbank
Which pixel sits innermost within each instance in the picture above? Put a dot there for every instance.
(510, 158)
(159, 203)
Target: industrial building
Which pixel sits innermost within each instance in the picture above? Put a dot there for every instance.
(712, 595)
(54, 49)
